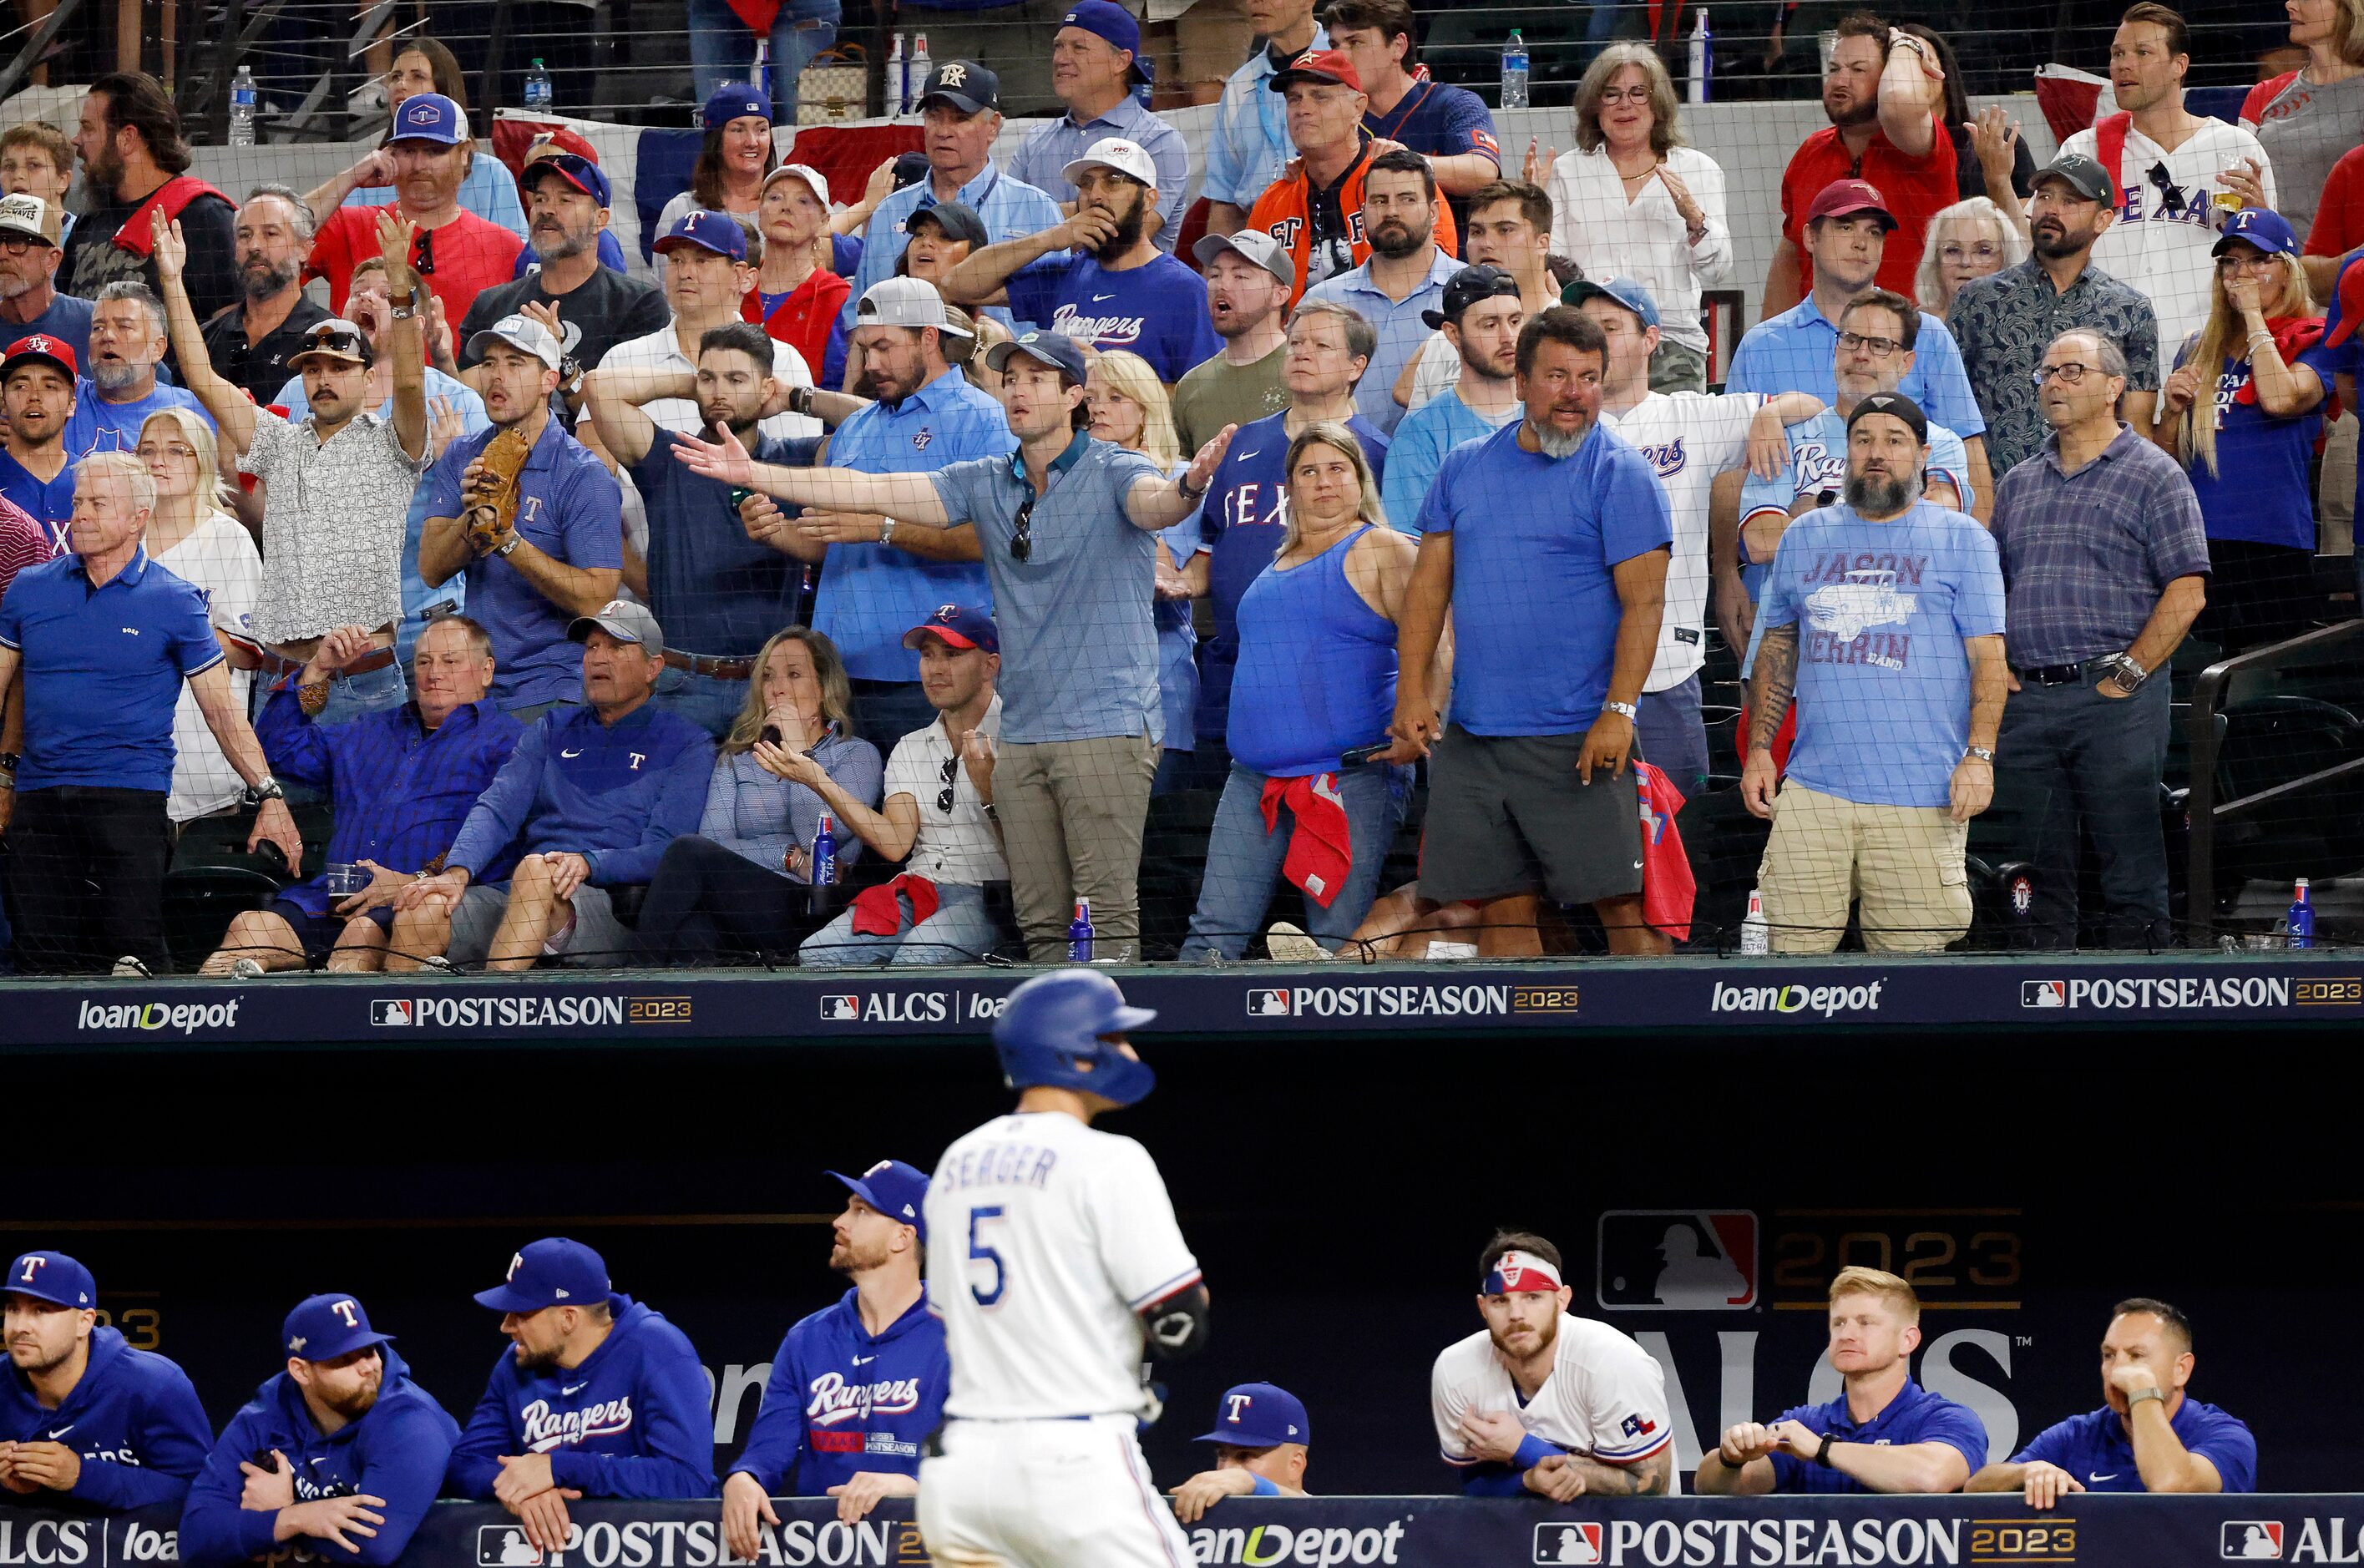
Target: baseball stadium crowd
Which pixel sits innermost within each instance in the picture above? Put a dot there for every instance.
(838, 598)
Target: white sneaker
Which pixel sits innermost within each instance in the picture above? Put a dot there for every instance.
(130, 968)
(1289, 944)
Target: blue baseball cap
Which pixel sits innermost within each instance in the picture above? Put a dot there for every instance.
(52, 1277)
(552, 1272)
(575, 169)
(1259, 1414)
(1621, 291)
(715, 232)
(963, 626)
(734, 101)
(323, 1328)
(894, 1189)
(430, 116)
(1057, 349)
(1113, 25)
(2269, 231)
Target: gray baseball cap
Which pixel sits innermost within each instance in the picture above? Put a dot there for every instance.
(2081, 174)
(1251, 245)
(1057, 349)
(623, 621)
(905, 301)
(522, 333)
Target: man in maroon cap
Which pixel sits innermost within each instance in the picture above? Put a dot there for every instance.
(36, 397)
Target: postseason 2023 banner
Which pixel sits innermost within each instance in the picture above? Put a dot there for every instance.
(1409, 1532)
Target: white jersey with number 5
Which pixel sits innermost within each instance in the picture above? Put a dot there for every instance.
(1045, 1239)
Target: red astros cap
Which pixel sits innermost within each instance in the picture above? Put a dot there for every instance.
(39, 345)
(1319, 65)
(1845, 198)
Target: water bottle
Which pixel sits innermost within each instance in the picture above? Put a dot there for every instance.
(1514, 72)
(241, 107)
(1701, 63)
(763, 71)
(897, 90)
(915, 77)
(1756, 936)
(822, 870)
(537, 94)
(1079, 933)
(2301, 917)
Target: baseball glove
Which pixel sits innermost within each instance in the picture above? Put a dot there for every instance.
(493, 499)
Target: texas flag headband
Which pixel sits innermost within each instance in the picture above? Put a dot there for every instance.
(1517, 1272)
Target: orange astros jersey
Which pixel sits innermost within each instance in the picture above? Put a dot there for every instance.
(1285, 211)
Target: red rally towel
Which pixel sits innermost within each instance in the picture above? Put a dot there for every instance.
(1668, 890)
(137, 235)
(1321, 852)
(2293, 336)
(876, 913)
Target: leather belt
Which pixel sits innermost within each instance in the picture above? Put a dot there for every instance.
(2055, 674)
(275, 664)
(712, 664)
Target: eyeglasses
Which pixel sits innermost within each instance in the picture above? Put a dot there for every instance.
(17, 244)
(2234, 261)
(425, 263)
(1951, 251)
(2070, 375)
(1636, 95)
(1878, 348)
(1022, 540)
(945, 795)
(175, 450)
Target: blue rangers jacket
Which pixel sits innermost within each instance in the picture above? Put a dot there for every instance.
(632, 1421)
(396, 1450)
(134, 1419)
(840, 1400)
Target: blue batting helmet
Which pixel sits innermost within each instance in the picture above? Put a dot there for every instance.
(1050, 1034)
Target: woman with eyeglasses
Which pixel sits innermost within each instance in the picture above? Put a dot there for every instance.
(1971, 239)
(742, 884)
(2241, 412)
(1633, 201)
(1315, 793)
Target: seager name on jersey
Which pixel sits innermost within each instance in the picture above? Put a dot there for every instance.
(997, 1165)
(546, 1429)
(834, 1399)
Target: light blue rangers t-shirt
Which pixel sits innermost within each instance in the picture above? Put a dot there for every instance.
(1818, 462)
(1883, 692)
(1078, 640)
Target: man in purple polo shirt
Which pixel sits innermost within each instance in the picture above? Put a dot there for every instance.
(1883, 1433)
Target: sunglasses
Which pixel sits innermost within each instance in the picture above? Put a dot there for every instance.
(945, 795)
(336, 342)
(425, 263)
(2169, 191)
(1022, 541)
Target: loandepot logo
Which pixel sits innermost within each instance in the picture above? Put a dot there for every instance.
(186, 1016)
(1827, 1000)
(1323, 1546)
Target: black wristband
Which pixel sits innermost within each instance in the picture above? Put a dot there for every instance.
(1823, 1454)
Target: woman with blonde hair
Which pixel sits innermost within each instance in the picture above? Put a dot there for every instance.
(1129, 408)
(2241, 412)
(2305, 119)
(1969, 239)
(191, 535)
(1633, 201)
(742, 883)
(1316, 791)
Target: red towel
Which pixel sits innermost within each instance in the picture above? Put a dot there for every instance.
(1322, 850)
(877, 914)
(1668, 889)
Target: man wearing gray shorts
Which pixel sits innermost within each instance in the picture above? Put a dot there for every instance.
(1548, 541)
(585, 804)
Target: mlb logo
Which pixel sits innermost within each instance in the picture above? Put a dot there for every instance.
(841, 1009)
(1568, 1543)
(388, 1015)
(2044, 993)
(499, 1545)
(2252, 1539)
(1268, 1003)
(1677, 1260)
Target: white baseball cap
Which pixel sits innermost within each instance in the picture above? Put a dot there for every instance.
(906, 302)
(1128, 157)
(522, 333)
(812, 177)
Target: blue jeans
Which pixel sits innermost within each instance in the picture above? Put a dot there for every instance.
(2086, 767)
(960, 931)
(710, 701)
(1243, 862)
(722, 49)
(350, 696)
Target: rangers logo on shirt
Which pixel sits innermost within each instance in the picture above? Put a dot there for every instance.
(546, 1429)
(1668, 458)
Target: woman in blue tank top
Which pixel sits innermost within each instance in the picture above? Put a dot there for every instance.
(1316, 680)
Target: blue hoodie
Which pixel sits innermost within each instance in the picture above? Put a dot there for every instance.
(396, 1450)
(134, 1419)
(632, 1421)
(840, 1400)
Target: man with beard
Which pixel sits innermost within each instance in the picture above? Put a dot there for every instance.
(720, 593)
(880, 578)
(1111, 286)
(2005, 322)
(250, 343)
(1883, 618)
(1249, 279)
(1480, 319)
(1548, 541)
(567, 198)
(1542, 1401)
(139, 1432)
(30, 304)
(135, 164)
(1401, 287)
(337, 483)
(1882, 91)
(355, 1451)
(549, 1427)
(126, 343)
(858, 1387)
(38, 381)
(459, 254)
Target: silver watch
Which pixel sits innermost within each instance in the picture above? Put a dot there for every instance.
(2128, 674)
(1982, 753)
(1625, 709)
(887, 530)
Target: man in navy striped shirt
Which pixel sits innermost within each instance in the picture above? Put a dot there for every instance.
(402, 780)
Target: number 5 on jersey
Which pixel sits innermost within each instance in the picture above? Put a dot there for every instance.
(980, 1253)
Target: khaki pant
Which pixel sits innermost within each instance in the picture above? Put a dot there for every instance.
(1904, 862)
(1071, 818)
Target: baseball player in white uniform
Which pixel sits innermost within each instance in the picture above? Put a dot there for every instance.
(1058, 1265)
(1543, 1402)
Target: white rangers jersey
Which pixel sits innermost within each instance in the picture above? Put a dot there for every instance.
(1606, 1396)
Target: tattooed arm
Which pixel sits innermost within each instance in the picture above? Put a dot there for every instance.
(1769, 693)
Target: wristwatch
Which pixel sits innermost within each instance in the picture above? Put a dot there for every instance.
(569, 375)
(1981, 752)
(800, 401)
(408, 306)
(1625, 709)
(1182, 488)
(1823, 1454)
(508, 546)
(267, 790)
(2128, 674)
(2139, 1395)
(885, 530)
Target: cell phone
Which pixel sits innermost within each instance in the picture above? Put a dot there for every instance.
(771, 732)
(740, 496)
(1360, 756)
(272, 856)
